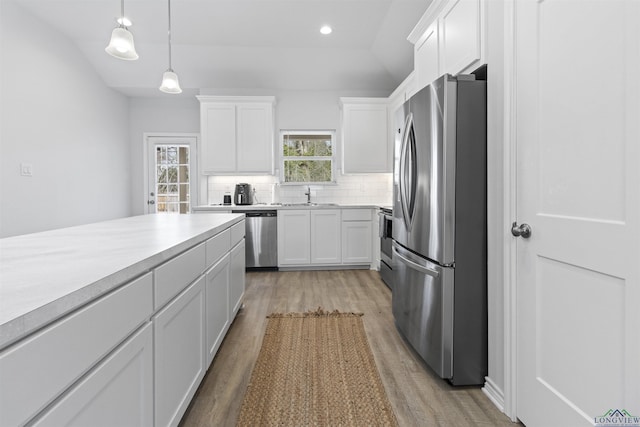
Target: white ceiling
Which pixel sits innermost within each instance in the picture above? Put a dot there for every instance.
(249, 44)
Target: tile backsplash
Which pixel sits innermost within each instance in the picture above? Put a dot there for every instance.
(374, 189)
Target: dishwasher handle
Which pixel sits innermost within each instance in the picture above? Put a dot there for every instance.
(256, 214)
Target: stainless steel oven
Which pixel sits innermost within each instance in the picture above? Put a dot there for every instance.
(386, 253)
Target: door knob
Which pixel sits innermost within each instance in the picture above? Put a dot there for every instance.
(523, 230)
(151, 202)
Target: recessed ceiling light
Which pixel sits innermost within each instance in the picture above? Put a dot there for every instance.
(326, 30)
(125, 21)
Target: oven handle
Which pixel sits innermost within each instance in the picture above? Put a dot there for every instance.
(416, 266)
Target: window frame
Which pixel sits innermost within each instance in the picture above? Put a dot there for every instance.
(333, 158)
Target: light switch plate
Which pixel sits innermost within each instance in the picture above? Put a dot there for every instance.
(26, 169)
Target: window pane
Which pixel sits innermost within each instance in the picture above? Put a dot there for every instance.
(184, 173)
(172, 155)
(307, 170)
(162, 174)
(172, 174)
(184, 155)
(307, 145)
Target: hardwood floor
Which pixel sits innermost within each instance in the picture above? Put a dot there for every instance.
(418, 397)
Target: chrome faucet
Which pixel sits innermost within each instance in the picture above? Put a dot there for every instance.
(308, 194)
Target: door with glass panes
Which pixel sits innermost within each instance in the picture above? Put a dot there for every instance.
(171, 174)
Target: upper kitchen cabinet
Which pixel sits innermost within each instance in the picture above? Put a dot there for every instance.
(448, 39)
(365, 130)
(237, 134)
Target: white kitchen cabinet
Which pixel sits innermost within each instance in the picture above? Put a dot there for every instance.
(294, 237)
(217, 305)
(365, 130)
(325, 236)
(237, 277)
(179, 348)
(427, 58)
(460, 36)
(118, 392)
(236, 134)
(329, 237)
(448, 39)
(356, 236)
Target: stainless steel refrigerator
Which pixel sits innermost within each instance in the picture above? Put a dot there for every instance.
(439, 227)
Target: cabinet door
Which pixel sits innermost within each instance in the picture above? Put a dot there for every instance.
(427, 60)
(237, 278)
(119, 391)
(294, 237)
(179, 353)
(325, 236)
(218, 146)
(255, 138)
(356, 242)
(217, 305)
(460, 36)
(365, 131)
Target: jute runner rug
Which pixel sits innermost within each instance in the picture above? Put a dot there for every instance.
(315, 369)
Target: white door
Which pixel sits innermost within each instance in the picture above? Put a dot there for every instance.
(172, 176)
(577, 99)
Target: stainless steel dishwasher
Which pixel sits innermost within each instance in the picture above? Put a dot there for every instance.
(261, 238)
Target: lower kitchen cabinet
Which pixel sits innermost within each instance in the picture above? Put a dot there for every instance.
(237, 277)
(325, 236)
(123, 381)
(217, 305)
(179, 334)
(294, 237)
(356, 236)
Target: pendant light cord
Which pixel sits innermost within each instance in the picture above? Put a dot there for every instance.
(122, 14)
(169, 34)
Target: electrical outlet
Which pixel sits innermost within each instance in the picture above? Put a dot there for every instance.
(26, 169)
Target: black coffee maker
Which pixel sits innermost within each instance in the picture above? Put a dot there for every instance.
(243, 194)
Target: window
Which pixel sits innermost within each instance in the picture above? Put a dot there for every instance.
(307, 156)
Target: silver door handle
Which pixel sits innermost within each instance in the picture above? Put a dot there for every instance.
(523, 230)
(151, 202)
(416, 266)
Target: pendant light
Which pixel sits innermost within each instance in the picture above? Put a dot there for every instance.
(170, 82)
(121, 43)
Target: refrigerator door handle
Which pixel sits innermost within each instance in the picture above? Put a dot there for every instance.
(416, 266)
(407, 172)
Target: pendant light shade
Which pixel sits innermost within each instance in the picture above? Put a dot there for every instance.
(170, 83)
(121, 44)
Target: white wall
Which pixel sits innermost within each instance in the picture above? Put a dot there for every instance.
(58, 115)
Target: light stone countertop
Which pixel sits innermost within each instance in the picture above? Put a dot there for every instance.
(279, 206)
(45, 275)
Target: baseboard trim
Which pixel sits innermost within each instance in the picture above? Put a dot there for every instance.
(494, 393)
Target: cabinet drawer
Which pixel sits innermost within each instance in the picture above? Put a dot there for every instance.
(118, 392)
(218, 246)
(237, 233)
(356, 214)
(174, 275)
(36, 370)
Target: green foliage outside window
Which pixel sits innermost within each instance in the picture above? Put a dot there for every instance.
(308, 157)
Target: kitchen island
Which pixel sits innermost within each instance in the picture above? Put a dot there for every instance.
(117, 320)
